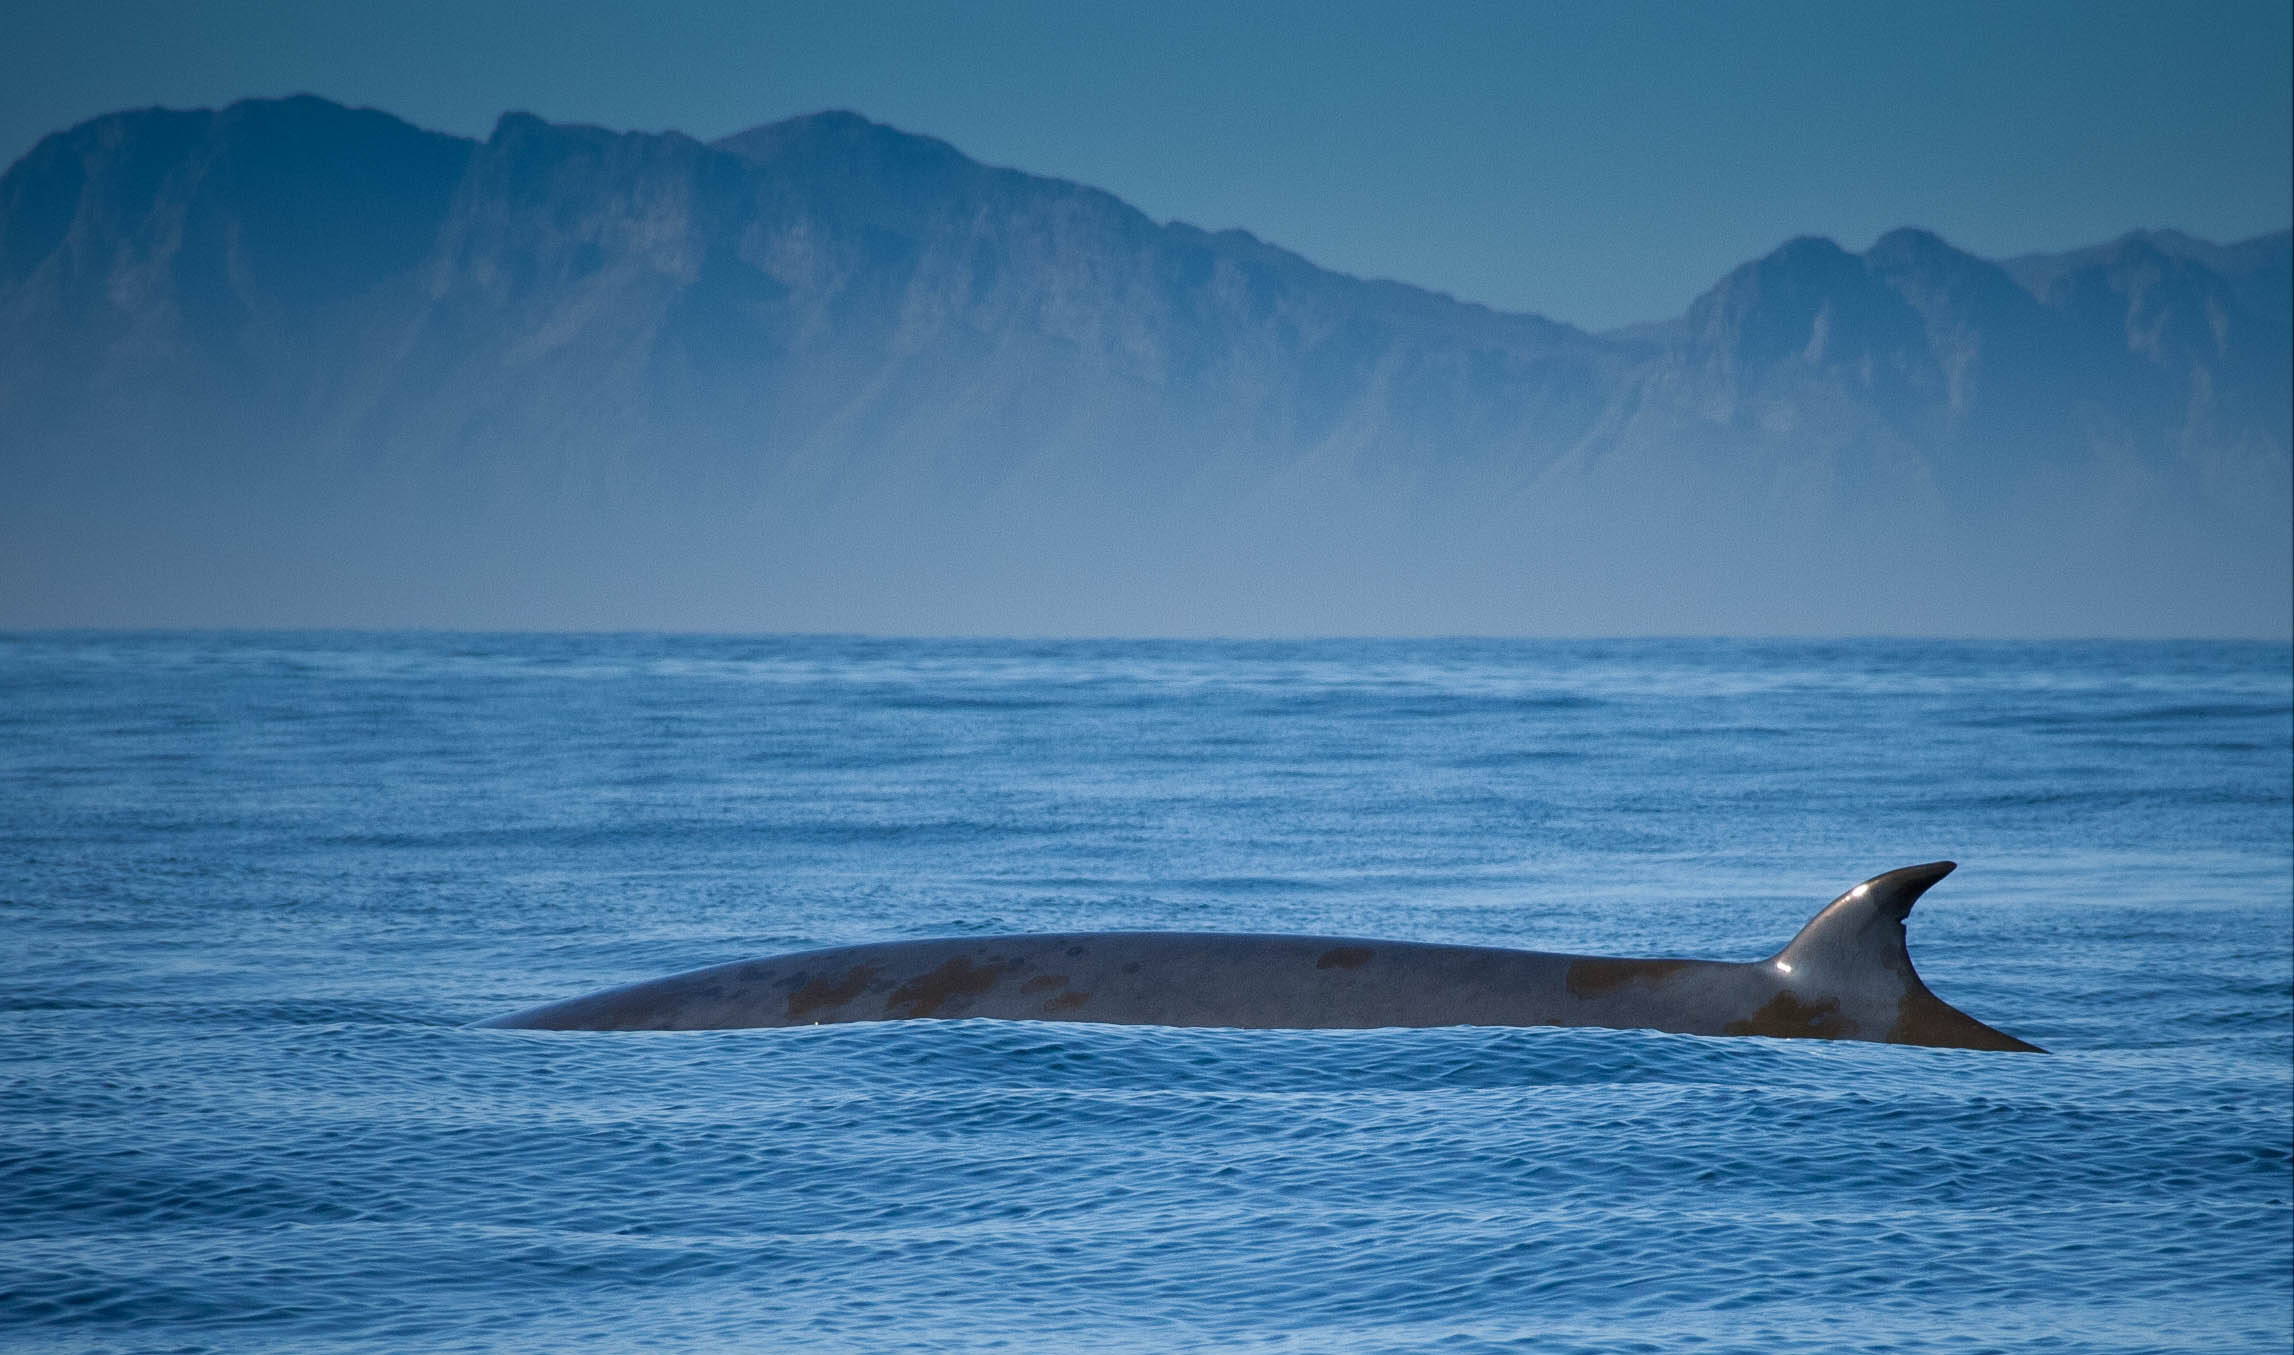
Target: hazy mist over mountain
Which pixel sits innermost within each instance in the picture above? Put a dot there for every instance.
(288, 363)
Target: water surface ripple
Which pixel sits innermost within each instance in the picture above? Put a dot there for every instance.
(254, 886)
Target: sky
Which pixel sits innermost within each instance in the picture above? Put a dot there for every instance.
(1599, 163)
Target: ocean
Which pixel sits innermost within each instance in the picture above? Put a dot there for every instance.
(255, 887)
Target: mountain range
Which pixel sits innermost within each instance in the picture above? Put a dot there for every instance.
(291, 363)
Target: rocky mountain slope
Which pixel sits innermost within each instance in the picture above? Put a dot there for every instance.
(292, 363)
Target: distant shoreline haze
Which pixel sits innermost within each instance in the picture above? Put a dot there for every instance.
(293, 364)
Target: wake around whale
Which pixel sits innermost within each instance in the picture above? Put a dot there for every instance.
(1846, 976)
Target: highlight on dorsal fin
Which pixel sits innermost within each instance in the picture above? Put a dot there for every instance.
(1856, 945)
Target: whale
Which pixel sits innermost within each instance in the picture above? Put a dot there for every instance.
(1847, 975)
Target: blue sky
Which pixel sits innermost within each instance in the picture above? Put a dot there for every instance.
(1599, 163)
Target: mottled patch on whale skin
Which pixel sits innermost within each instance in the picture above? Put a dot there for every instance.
(821, 992)
(1344, 957)
(1596, 976)
(958, 979)
(1786, 1017)
(1059, 1001)
(1923, 1018)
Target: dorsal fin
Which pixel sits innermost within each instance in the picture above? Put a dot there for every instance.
(1856, 945)
(1861, 933)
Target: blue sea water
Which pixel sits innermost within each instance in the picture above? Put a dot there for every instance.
(254, 887)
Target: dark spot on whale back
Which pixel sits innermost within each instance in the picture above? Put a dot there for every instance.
(1044, 983)
(1065, 1002)
(955, 980)
(1131, 968)
(1594, 977)
(1073, 951)
(1787, 1017)
(1345, 957)
(822, 992)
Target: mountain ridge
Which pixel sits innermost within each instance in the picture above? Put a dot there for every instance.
(888, 384)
